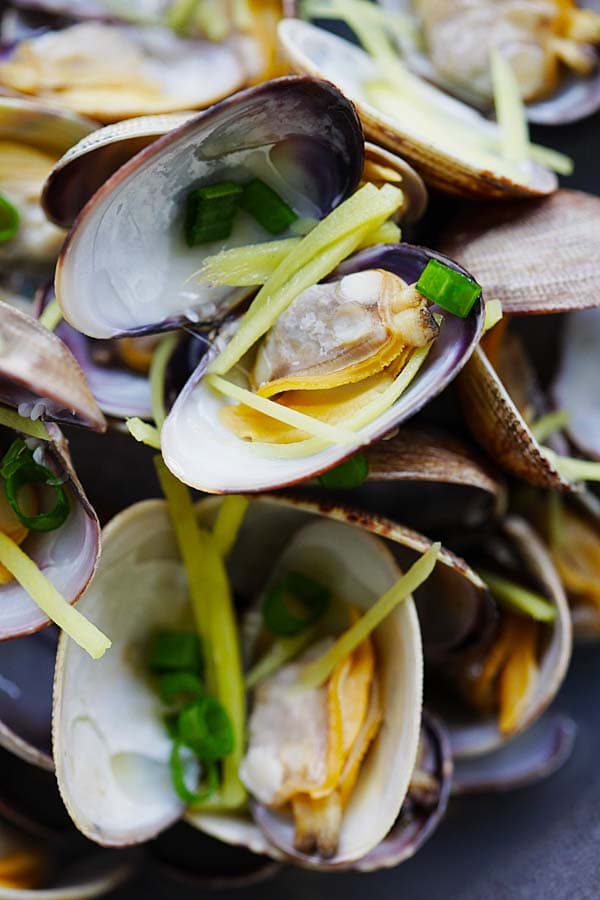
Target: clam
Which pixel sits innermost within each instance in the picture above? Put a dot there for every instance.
(126, 796)
(318, 167)
(465, 647)
(40, 378)
(32, 138)
(538, 257)
(112, 71)
(448, 156)
(573, 386)
(550, 45)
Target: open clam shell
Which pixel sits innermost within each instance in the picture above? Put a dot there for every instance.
(40, 376)
(575, 98)
(499, 427)
(313, 51)
(573, 389)
(528, 759)
(200, 450)
(539, 257)
(123, 797)
(67, 556)
(152, 69)
(473, 735)
(300, 134)
(33, 136)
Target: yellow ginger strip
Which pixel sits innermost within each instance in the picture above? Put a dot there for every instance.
(228, 522)
(510, 110)
(11, 419)
(143, 432)
(317, 254)
(158, 366)
(51, 601)
(316, 672)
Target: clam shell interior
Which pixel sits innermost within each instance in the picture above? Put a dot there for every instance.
(575, 386)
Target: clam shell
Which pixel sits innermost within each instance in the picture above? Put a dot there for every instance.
(312, 51)
(187, 73)
(498, 426)
(481, 735)
(198, 448)
(573, 388)
(413, 187)
(575, 99)
(531, 757)
(66, 556)
(86, 722)
(304, 127)
(40, 375)
(44, 127)
(539, 257)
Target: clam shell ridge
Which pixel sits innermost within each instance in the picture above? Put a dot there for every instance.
(198, 448)
(299, 131)
(313, 51)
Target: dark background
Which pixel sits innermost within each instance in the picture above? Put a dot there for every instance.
(538, 843)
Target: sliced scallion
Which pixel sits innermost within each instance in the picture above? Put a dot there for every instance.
(294, 604)
(205, 728)
(177, 766)
(267, 207)
(173, 651)
(448, 288)
(180, 687)
(9, 220)
(210, 211)
(349, 474)
(18, 469)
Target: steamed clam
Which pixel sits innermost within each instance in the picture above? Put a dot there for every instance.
(550, 44)
(32, 138)
(129, 796)
(204, 440)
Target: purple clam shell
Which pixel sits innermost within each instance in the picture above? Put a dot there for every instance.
(529, 758)
(307, 129)
(119, 392)
(414, 825)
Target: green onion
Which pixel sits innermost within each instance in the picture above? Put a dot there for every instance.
(280, 652)
(315, 673)
(294, 604)
(174, 651)
(18, 469)
(9, 220)
(349, 474)
(210, 211)
(267, 207)
(548, 424)
(178, 778)
(206, 729)
(180, 687)
(449, 289)
(518, 598)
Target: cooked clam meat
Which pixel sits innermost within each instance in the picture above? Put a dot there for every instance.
(539, 37)
(334, 347)
(306, 746)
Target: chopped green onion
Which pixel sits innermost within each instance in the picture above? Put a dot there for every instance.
(158, 366)
(267, 207)
(188, 796)
(11, 419)
(18, 469)
(174, 651)
(280, 652)
(449, 289)
(324, 248)
(518, 598)
(51, 316)
(349, 474)
(228, 523)
(315, 673)
(294, 604)
(210, 211)
(144, 433)
(493, 314)
(180, 687)
(9, 220)
(548, 424)
(206, 729)
(51, 602)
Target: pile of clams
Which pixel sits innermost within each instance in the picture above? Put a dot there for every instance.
(225, 247)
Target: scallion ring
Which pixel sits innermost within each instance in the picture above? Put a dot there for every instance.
(294, 603)
(182, 687)
(206, 729)
(177, 766)
(19, 470)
